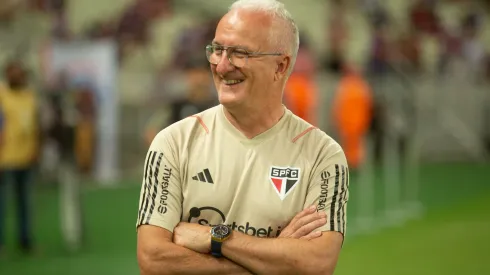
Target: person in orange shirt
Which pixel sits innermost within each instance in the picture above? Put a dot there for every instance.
(301, 90)
(352, 114)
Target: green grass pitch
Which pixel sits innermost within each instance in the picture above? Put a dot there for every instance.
(453, 237)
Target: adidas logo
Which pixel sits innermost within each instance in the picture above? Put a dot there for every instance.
(204, 176)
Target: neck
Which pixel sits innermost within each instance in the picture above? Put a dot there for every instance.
(254, 121)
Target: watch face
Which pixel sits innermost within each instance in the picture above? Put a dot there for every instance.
(221, 231)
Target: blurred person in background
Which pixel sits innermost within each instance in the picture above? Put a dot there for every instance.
(68, 124)
(171, 82)
(338, 36)
(85, 131)
(301, 93)
(424, 18)
(19, 149)
(59, 122)
(408, 53)
(462, 51)
(191, 40)
(380, 55)
(472, 48)
(352, 114)
(134, 26)
(199, 96)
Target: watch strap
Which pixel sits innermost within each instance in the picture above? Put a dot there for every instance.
(216, 248)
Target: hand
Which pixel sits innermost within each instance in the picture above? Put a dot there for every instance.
(302, 226)
(193, 236)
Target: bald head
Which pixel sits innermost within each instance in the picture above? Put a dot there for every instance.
(252, 26)
(283, 36)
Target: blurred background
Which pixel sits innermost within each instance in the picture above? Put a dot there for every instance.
(403, 85)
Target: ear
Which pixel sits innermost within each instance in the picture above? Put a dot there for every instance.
(283, 65)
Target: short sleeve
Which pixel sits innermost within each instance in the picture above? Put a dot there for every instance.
(160, 202)
(329, 190)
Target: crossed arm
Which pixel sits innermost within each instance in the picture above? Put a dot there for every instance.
(285, 256)
(298, 250)
(157, 255)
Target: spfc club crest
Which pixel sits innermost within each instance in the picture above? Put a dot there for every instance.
(284, 179)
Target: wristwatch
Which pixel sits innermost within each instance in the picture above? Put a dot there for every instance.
(219, 234)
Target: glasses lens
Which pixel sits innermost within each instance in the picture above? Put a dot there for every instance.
(238, 58)
(213, 55)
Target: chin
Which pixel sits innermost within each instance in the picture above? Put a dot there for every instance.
(228, 100)
(230, 95)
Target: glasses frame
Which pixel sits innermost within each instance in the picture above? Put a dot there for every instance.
(248, 55)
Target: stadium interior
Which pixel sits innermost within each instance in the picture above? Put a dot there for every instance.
(420, 183)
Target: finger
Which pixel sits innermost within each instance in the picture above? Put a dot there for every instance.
(312, 235)
(309, 210)
(307, 219)
(293, 226)
(309, 227)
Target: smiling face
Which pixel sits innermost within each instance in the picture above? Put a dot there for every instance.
(254, 83)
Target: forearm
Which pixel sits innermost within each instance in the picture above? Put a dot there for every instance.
(276, 255)
(174, 259)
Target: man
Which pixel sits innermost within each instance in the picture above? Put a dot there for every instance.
(19, 148)
(271, 188)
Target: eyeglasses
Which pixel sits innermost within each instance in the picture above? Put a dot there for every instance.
(237, 57)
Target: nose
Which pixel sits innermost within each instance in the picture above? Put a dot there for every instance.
(224, 66)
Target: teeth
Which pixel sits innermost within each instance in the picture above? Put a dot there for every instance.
(231, 82)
